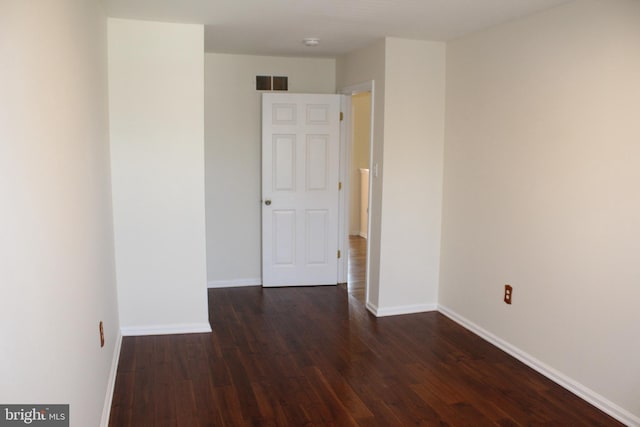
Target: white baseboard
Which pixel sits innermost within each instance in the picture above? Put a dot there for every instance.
(372, 308)
(554, 375)
(363, 235)
(234, 283)
(402, 309)
(111, 382)
(182, 328)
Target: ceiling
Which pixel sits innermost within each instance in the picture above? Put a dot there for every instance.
(277, 27)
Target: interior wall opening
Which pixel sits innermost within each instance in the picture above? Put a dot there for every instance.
(359, 194)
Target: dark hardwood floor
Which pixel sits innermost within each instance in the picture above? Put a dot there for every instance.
(315, 357)
(357, 268)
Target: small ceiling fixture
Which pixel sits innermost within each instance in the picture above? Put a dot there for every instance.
(311, 41)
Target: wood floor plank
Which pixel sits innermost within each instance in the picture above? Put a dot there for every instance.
(315, 356)
(122, 402)
(186, 409)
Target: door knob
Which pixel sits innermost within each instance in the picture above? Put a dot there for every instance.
(267, 202)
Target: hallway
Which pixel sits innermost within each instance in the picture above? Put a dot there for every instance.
(357, 270)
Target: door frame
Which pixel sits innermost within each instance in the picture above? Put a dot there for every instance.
(346, 143)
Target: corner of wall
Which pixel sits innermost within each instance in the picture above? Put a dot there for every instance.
(111, 382)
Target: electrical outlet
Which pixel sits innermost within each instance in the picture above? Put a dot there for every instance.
(508, 291)
(101, 334)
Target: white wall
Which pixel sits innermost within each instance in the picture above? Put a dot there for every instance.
(233, 153)
(412, 188)
(407, 193)
(361, 139)
(361, 66)
(156, 89)
(57, 277)
(541, 192)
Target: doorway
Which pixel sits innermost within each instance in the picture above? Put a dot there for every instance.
(354, 236)
(360, 155)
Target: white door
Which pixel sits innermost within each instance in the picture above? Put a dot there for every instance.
(300, 162)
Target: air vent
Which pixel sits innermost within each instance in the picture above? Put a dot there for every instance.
(280, 83)
(276, 83)
(263, 82)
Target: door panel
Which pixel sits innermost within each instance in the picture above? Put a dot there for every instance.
(284, 228)
(284, 162)
(300, 162)
(284, 114)
(318, 114)
(316, 238)
(316, 163)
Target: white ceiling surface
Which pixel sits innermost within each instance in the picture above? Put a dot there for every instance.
(277, 27)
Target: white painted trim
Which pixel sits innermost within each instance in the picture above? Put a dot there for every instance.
(357, 88)
(299, 285)
(554, 375)
(372, 308)
(111, 382)
(234, 283)
(401, 309)
(343, 197)
(370, 235)
(181, 328)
